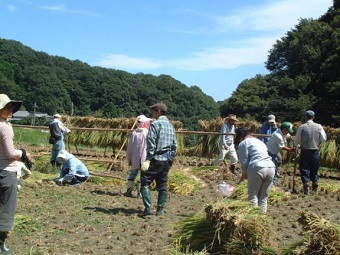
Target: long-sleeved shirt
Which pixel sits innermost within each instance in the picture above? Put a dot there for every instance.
(227, 140)
(161, 139)
(62, 127)
(8, 154)
(74, 166)
(267, 129)
(136, 149)
(310, 135)
(276, 142)
(253, 154)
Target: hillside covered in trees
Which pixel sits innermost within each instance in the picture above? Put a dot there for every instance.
(303, 65)
(305, 74)
(57, 84)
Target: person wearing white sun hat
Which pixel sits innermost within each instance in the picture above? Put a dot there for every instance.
(9, 157)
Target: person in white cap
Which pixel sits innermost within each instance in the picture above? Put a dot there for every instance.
(9, 158)
(268, 128)
(57, 137)
(73, 171)
(136, 152)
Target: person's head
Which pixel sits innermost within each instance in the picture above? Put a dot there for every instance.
(241, 134)
(231, 119)
(309, 115)
(143, 121)
(57, 116)
(8, 106)
(158, 110)
(287, 127)
(271, 119)
(62, 156)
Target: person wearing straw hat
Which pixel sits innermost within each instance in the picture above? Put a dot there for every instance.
(309, 137)
(9, 158)
(136, 152)
(227, 143)
(57, 138)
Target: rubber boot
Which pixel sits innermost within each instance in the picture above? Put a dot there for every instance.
(3, 249)
(138, 190)
(233, 169)
(315, 186)
(147, 201)
(161, 201)
(128, 192)
(306, 188)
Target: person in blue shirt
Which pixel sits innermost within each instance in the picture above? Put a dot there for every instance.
(73, 171)
(268, 128)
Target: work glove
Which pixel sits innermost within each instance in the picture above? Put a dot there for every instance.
(226, 147)
(59, 181)
(145, 165)
(25, 159)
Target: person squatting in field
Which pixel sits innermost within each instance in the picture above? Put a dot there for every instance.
(278, 142)
(256, 165)
(57, 137)
(309, 137)
(161, 151)
(9, 158)
(73, 171)
(227, 143)
(136, 152)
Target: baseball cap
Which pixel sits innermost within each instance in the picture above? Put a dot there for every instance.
(288, 126)
(160, 106)
(309, 113)
(271, 118)
(143, 118)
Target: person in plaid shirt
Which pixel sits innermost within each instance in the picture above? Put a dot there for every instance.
(161, 151)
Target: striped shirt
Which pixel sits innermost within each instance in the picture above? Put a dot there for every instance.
(161, 139)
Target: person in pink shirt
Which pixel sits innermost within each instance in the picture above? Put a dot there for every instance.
(9, 157)
(136, 152)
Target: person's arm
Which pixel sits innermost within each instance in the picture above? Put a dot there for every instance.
(8, 145)
(151, 142)
(323, 136)
(297, 138)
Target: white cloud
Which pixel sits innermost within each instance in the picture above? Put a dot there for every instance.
(11, 8)
(260, 28)
(120, 61)
(63, 8)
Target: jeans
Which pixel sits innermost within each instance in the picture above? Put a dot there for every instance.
(133, 174)
(309, 165)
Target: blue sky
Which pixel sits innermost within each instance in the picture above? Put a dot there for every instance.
(212, 44)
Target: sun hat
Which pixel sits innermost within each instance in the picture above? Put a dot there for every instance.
(271, 118)
(57, 115)
(4, 100)
(143, 118)
(288, 126)
(309, 113)
(231, 117)
(159, 106)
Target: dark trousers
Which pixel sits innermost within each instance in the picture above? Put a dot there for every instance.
(8, 199)
(309, 165)
(158, 171)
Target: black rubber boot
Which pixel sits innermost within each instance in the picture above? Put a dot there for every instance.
(315, 186)
(161, 201)
(233, 169)
(128, 192)
(147, 201)
(3, 249)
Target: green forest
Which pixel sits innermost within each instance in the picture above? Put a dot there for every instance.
(304, 74)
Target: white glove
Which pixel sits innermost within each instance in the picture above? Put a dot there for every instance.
(59, 181)
(145, 165)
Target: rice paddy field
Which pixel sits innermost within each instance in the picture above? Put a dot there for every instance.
(95, 218)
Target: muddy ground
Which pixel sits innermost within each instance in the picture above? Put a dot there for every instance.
(98, 219)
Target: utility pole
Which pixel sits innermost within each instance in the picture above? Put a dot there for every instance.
(34, 110)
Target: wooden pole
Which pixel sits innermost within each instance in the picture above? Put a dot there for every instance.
(125, 140)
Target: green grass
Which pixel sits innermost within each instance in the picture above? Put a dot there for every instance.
(30, 136)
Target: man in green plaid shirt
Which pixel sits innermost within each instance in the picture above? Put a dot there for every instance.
(161, 151)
